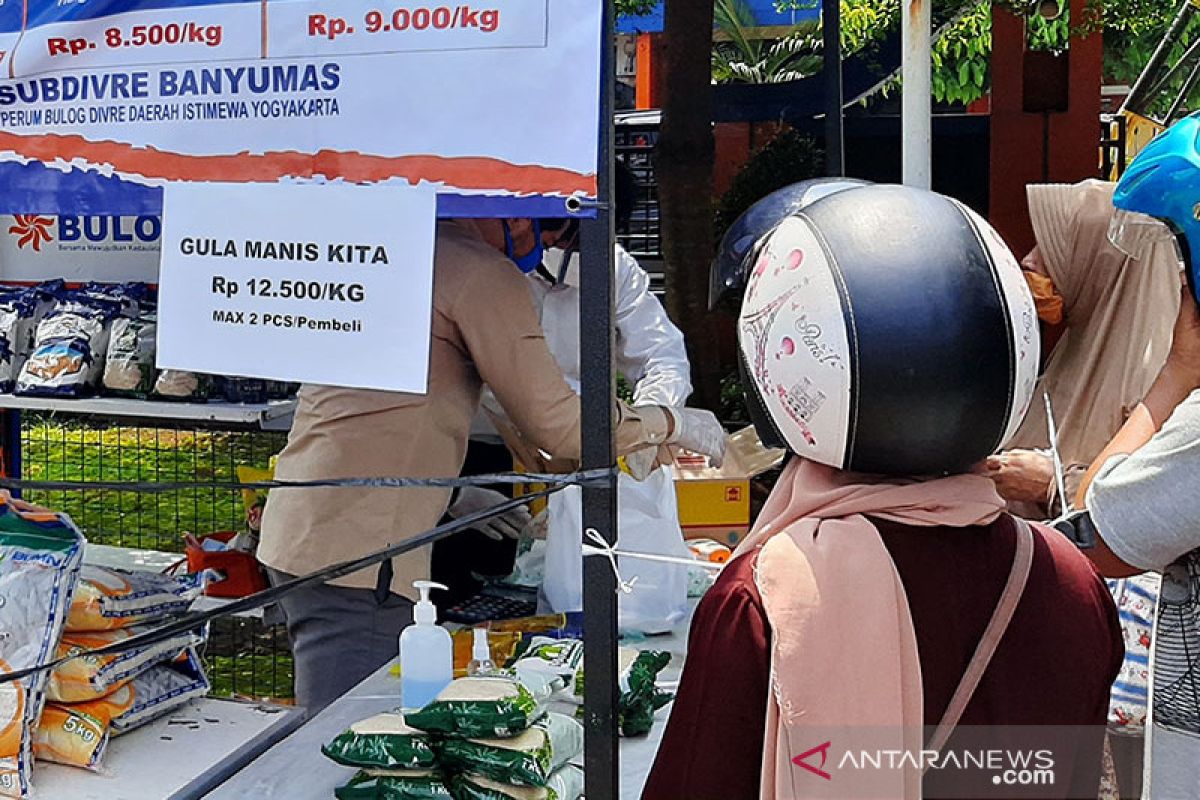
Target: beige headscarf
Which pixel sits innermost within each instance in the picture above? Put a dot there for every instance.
(1119, 313)
(845, 670)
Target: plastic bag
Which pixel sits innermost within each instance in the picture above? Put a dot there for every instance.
(383, 741)
(111, 598)
(20, 313)
(648, 523)
(566, 784)
(77, 734)
(40, 553)
(72, 736)
(483, 707)
(254, 501)
(559, 657)
(92, 677)
(157, 691)
(175, 384)
(129, 364)
(528, 758)
(68, 354)
(1136, 599)
(394, 785)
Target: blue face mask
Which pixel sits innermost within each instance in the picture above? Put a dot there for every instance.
(531, 260)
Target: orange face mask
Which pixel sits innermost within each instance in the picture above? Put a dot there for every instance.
(1046, 298)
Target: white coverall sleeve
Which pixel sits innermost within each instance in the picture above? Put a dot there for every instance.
(650, 349)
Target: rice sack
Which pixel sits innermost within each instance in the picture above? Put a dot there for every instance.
(565, 784)
(483, 707)
(383, 741)
(562, 658)
(394, 785)
(77, 734)
(155, 692)
(129, 363)
(92, 677)
(20, 312)
(175, 384)
(71, 735)
(68, 354)
(529, 758)
(40, 554)
(112, 598)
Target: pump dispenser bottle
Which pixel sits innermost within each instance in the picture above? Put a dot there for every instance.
(481, 654)
(426, 653)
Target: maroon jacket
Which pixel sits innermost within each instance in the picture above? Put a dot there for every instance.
(1054, 665)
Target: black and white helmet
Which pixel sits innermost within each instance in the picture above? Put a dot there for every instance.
(888, 329)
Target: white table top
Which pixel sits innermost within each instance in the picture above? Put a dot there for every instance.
(296, 770)
(178, 757)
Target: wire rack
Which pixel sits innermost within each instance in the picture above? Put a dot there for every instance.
(245, 656)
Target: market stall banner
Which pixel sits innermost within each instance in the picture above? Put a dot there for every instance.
(300, 294)
(492, 102)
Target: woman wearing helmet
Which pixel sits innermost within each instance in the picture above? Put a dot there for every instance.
(889, 342)
(1140, 493)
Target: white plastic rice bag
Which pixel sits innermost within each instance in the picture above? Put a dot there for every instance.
(40, 554)
(68, 354)
(129, 365)
(112, 598)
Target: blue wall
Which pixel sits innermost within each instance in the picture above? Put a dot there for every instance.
(764, 14)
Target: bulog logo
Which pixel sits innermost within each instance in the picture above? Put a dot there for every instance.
(143, 229)
(32, 230)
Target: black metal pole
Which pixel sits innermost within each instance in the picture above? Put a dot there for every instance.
(831, 43)
(601, 764)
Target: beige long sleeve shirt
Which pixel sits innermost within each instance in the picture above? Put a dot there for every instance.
(484, 329)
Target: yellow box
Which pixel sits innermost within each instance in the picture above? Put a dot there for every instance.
(715, 503)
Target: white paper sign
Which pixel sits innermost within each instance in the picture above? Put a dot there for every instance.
(318, 284)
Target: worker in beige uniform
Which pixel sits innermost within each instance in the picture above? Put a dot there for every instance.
(484, 329)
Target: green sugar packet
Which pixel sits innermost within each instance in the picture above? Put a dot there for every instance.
(483, 707)
(383, 741)
(528, 758)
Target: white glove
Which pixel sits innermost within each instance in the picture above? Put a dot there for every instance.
(473, 499)
(690, 428)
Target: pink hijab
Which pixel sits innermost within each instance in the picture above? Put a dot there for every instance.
(844, 664)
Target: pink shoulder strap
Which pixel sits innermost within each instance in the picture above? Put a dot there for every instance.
(1009, 598)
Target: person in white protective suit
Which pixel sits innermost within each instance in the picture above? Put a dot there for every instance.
(649, 354)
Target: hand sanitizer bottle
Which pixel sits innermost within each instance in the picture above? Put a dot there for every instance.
(481, 654)
(426, 653)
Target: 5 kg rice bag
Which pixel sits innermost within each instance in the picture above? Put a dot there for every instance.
(129, 365)
(68, 354)
(71, 735)
(40, 553)
(566, 784)
(111, 598)
(483, 707)
(394, 785)
(157, 691)
(20, 312)
(92, 677)
(77, 734)
(383, 741)
(528, 758)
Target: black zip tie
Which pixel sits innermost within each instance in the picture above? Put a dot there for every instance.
(583, 478)
(195, 619)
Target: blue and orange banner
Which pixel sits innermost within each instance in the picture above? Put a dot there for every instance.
(492, 102)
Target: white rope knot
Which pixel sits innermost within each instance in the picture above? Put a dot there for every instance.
(606, 550)
(603, 548)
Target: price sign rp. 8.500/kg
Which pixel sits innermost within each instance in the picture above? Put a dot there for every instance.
(320, 284)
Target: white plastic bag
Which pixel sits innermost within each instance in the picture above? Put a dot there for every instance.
(648, 522)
